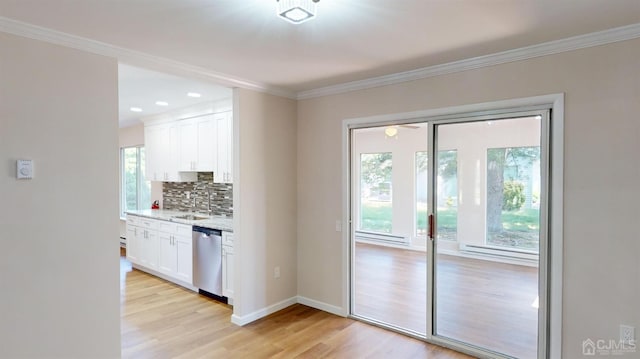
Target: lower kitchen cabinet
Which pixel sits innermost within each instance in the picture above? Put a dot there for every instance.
(142, 242)
(227, 265)
(165, 249)
(176, 251)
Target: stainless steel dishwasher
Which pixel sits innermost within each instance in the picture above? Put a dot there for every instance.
(207, 261)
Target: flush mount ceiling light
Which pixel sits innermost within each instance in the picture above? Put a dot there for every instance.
(297, 11)
(194, 94)
(162, 103)
(391, 131)
(135, 109)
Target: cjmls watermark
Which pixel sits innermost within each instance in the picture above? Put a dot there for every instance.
(607, 347)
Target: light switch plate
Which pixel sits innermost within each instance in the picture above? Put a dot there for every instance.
(24, 169)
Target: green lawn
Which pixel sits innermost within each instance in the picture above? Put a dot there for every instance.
(377, 216)
(524, 220)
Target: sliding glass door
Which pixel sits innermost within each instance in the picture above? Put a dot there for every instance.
(389, 260)
(486, 281)
(449, 235)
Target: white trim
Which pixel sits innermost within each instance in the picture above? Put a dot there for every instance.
(347, 225)
(261, 313)
(556, 103)
(556, 223)
(342, 312)
(133, 57)
(548, 48)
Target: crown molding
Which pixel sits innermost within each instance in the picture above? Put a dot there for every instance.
(133, 57)
(548, 48)
(141, 59)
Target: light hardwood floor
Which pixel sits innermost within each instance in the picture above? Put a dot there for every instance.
(163, 320)
(483, 303)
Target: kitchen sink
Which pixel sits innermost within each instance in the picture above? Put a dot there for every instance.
(190, 217)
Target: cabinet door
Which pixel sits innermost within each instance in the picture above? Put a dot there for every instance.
(229, 147)
(133, 244)
(172, 158)
(227, 271)
(206, 144)
(224, 144)
(184, 258)
(167, 256)
(155, 151)
(149, 249)
(188, 145)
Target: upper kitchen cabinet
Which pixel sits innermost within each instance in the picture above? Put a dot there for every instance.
(197, 144)
(180, 144)
(223, 172)
(162, 144)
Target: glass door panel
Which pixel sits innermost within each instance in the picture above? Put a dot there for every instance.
(487, 197)
(389, 259)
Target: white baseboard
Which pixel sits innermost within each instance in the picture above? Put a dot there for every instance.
(488, 257)
(261, 313)
(322, 306)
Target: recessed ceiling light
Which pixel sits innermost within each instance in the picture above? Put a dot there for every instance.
(162, 103)
(136, 109)
(193, 94)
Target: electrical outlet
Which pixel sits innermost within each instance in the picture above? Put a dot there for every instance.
(627, 333)
(276, 272)
(338, 226)
(187, 194)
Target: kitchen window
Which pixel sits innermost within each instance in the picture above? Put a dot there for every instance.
(134, 188)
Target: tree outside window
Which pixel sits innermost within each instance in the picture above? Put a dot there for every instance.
(513, 197)
(376, 193)
(447, 196)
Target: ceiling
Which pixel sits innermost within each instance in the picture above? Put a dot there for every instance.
(349, 40)
(142, 88)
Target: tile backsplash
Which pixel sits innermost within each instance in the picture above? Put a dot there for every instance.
(174, 196)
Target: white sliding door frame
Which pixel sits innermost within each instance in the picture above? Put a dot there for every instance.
(551, 345)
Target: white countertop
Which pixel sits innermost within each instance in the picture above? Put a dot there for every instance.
(213, 222)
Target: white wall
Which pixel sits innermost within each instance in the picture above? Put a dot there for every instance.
(264, 202)
(602, 132)
(131, 136)
(59, 260)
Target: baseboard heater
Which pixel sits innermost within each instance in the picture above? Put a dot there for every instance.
(499, 251)
(372, 236)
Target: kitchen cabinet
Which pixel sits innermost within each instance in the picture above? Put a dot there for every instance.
(227, 265)
(162, 153)
(176, 251)
(133, 245)
(147, 238)
(223, 172)
(197, 144)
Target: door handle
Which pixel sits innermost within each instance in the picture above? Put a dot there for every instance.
(431, 226)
